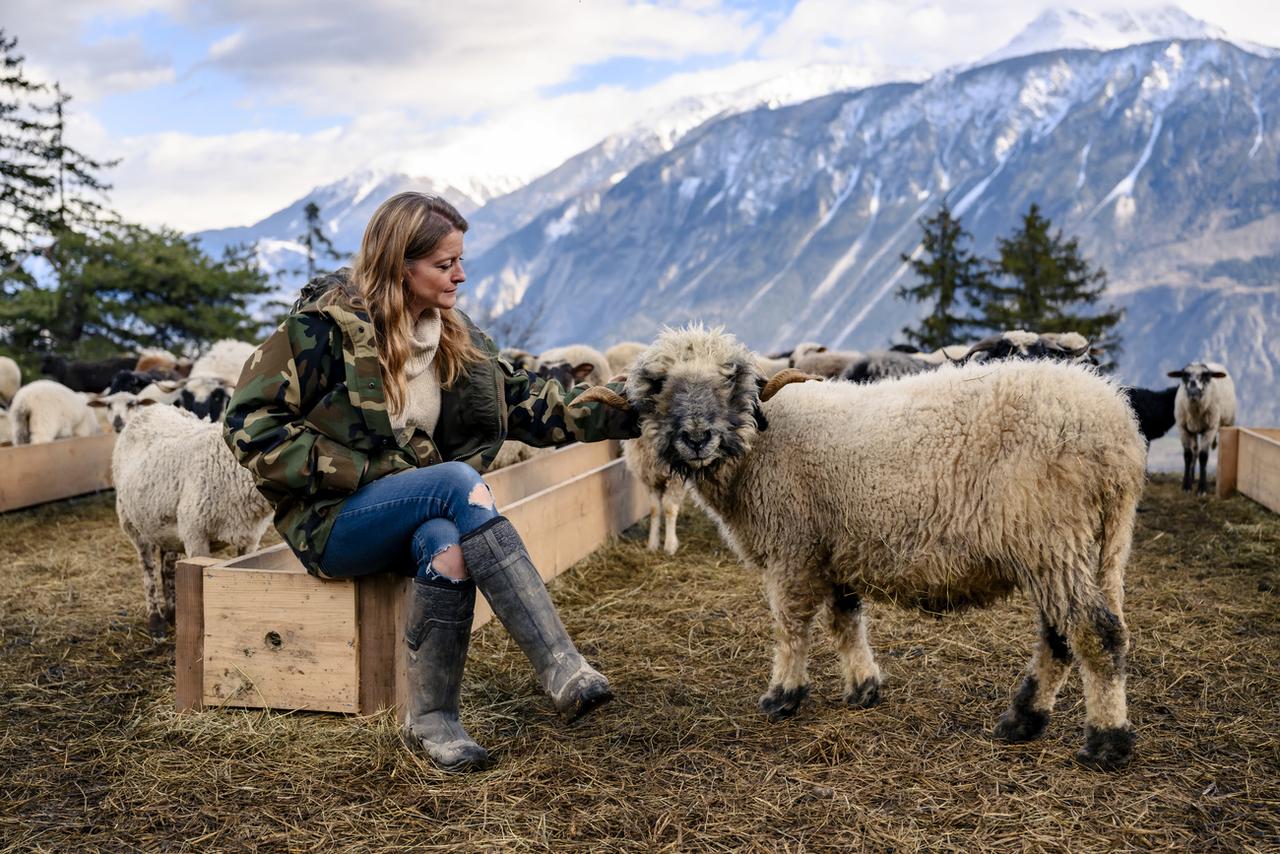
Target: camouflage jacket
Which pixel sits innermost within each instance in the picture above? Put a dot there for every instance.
(309, 418)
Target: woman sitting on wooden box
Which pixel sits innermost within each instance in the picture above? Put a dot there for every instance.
(366, 419)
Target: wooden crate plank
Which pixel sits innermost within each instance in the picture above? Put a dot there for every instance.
(378, 600)
(50, 471)
(188, 645)
(1258, 468)
(277, 558)
(280, 639)
(1228, 448)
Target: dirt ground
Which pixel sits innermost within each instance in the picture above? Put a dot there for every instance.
(92, 756)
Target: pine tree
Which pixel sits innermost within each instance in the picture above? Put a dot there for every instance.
(315, 240)
(27, 187)
(1042, 283)
(950, 277)
(139, 288)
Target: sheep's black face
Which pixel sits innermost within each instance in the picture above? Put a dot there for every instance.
(698, 415)
(1195, 379)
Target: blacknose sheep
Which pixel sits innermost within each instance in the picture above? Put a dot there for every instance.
(136, 381)
(179, 489)
(826, 363)
(1205, 403)
(942, 490)
(1020, 344)
(884, 365)
(579, 355)
(213, 378)
(45, 411)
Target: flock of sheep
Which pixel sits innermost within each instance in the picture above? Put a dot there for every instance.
(936, 480)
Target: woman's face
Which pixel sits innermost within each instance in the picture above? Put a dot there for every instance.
(433, 281)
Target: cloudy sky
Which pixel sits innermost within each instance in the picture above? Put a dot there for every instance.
(224, 111)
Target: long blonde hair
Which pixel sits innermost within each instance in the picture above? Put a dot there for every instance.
(404, 228)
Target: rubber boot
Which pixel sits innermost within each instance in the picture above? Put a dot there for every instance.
(438, 631)
(496, 558)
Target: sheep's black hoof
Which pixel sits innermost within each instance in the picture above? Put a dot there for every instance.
(1018, 725)
(778, 703)
(1106, 749)
(864, 695)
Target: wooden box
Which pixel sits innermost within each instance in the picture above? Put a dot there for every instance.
(1249, 461)
(34, 474)
(258, 631)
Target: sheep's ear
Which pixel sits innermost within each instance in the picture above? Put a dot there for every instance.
(1178, 375)
(1218, 375)
(986, 345)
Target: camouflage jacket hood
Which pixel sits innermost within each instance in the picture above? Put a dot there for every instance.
(309, 416)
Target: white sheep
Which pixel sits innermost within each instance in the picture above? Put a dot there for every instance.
(1205, 403)
(577, 355)
(224, 360)
(10, 380)
(179, 489)
(45, 411)
(620, 355)
(942, 490)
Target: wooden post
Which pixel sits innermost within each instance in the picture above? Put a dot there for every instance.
(378, 603)
(1228, 460)
(189, 633)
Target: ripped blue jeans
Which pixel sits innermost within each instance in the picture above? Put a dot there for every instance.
(399, 523)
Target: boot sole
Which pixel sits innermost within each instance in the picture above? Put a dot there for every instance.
(586, 704)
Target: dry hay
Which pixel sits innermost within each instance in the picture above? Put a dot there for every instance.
(93, 757)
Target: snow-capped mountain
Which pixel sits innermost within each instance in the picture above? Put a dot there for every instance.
(1058, 28)
(789, 224)
(345, 208)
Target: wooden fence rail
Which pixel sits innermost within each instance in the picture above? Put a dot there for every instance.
(49, 471)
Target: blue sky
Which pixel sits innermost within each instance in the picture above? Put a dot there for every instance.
(226, 110)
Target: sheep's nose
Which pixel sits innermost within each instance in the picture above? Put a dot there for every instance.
(696, 439)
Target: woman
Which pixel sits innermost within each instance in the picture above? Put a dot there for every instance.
(366, 418)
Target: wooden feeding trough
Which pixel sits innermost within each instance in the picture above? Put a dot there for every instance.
(1249, 462)
(258, 631)
(50, 471)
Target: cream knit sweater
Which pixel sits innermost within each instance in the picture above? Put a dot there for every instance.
(421, 407)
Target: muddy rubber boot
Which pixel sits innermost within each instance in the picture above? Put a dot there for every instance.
(438, 631)
(496, 558)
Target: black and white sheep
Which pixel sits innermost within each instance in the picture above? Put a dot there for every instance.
(942, 490)
(1205, 403)
(45, 411)
(214, 375)
(1020, 344)
(880, 365)
(589, 362)
(179, 490)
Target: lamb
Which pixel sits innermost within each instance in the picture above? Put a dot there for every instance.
(136, 381)
(86, 376)
(178, 488)
(942, 490)
(1153, 409)
(10, 380)
(45, 411)
(620, 355)
(1205, 402)
(581, 354)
